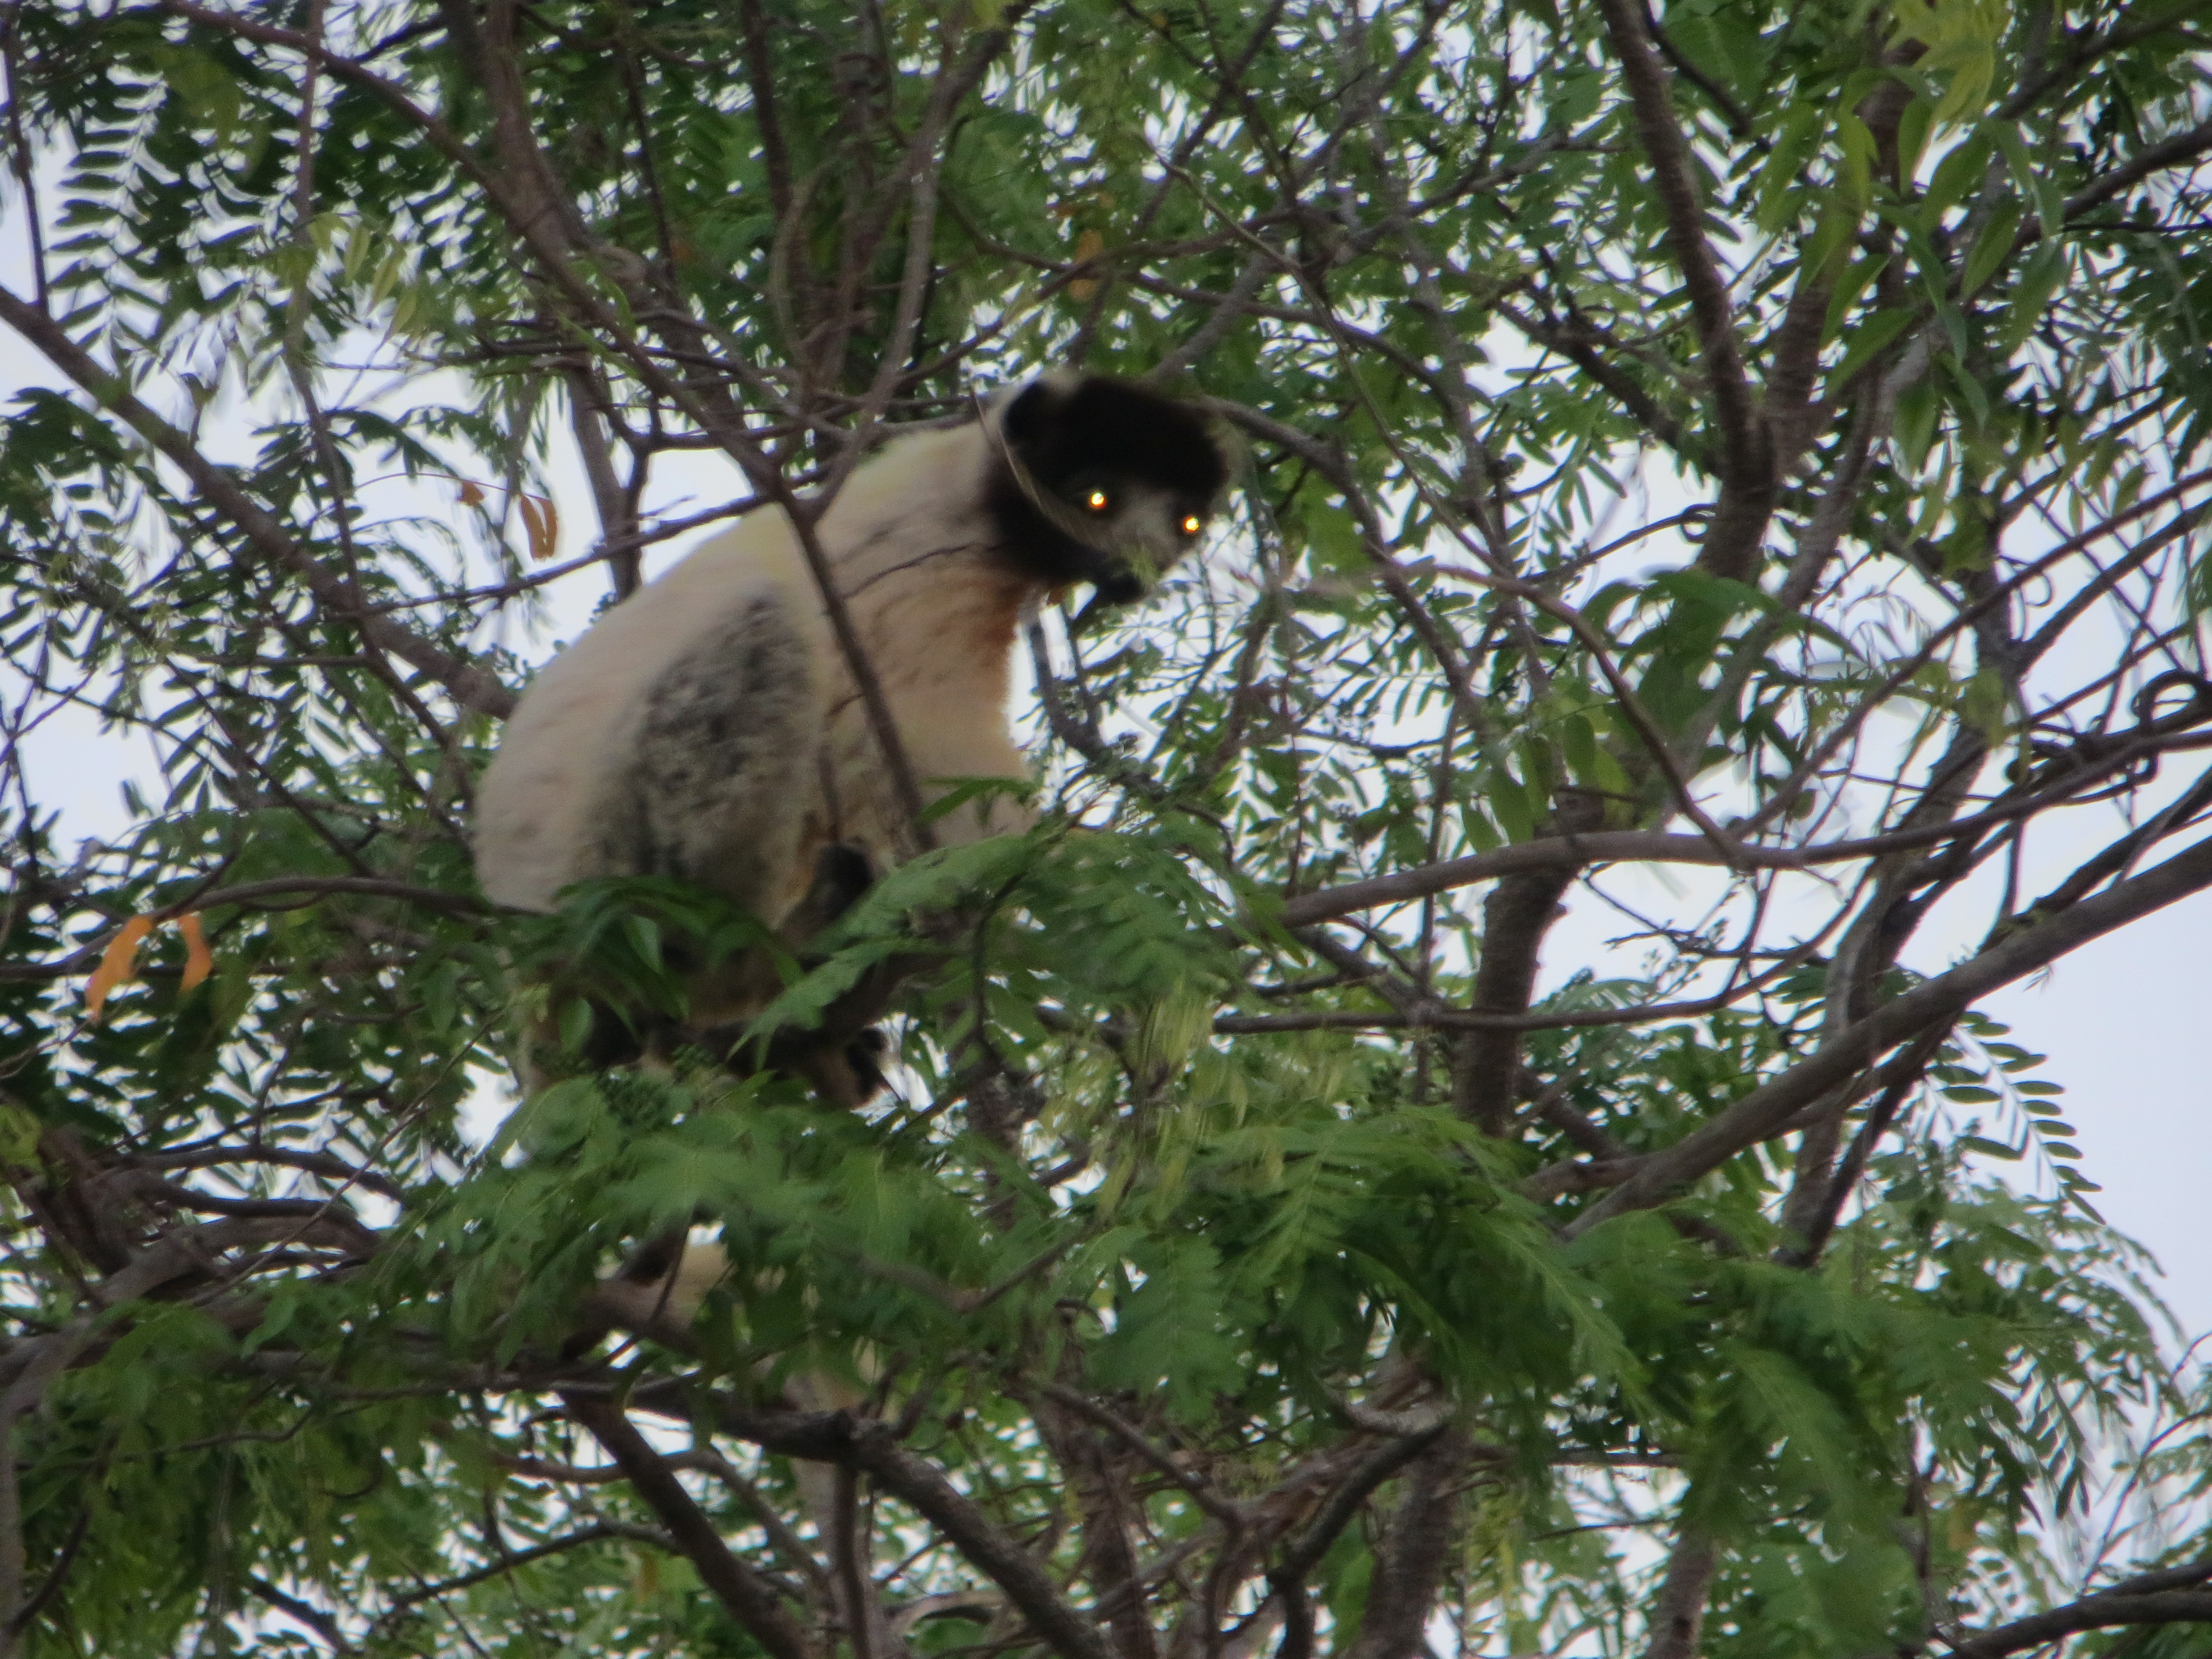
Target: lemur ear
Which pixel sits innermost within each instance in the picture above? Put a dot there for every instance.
(1027, 415)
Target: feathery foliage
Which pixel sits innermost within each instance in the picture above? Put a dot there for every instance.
(1735, 467)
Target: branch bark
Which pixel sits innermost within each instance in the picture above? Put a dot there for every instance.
(749, 1598)
(2170, 153)
(1110, 1561)
(1680, 1618)
(2091, 1613)
(1410, 1563)
(1746, 498)
(1486, 1066)
(1657, 847)
(1765, 1111)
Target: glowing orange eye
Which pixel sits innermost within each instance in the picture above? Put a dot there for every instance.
(1190, 525)
(1095, 501)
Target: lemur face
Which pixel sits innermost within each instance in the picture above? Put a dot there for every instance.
(1102, 482)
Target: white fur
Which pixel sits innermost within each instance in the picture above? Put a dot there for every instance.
(906, 541)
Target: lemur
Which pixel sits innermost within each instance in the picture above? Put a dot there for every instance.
(711, 728)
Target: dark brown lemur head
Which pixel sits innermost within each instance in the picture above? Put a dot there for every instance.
(1101, 481)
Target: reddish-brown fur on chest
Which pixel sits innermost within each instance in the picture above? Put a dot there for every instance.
(965, 620)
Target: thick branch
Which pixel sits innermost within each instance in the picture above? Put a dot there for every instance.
(2092, 1613)
(1305, 1551)
(617, 521)
(1679, 1617)
(2172, 152)
(1655, 846)
(1768, 1108)
(1410, 1565)
(1110, 1560)
(1549, 853)
(751, 1601)
(1731, 546)
(1486, 1062)
(1674, 175)
(2185, 1576)
(924, 1489)
(327, 1164)
(1817, 1199)
(293, 1607)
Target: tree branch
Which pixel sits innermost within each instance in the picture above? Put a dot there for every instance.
(1656, 847)
(2172, 152)
(1768, 1108)
(750, 1599)
(923, 1488)
(293, 1607)
(1679, 1617)
(839, 1437)
(1732, 542)
(1581, 350)
(1410, 1563)
(2091, 1613)
(1486, 1063)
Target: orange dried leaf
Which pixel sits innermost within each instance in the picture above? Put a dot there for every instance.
(1089, 245)
(118, 962)
(527, 506)
(199, 961)
(471, 493)
(539, 523)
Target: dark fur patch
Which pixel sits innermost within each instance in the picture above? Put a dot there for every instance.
(1095, 429)
(1111, 426)
(718, 740)
(842, 873)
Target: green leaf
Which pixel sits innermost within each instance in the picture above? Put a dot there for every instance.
(1864, 344)
(1992, 248)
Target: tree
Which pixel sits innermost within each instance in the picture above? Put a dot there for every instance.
(1743, 465)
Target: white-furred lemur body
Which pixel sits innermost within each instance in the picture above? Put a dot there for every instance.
(711, 728)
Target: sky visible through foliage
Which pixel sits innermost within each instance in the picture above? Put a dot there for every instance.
(1552, 1078)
